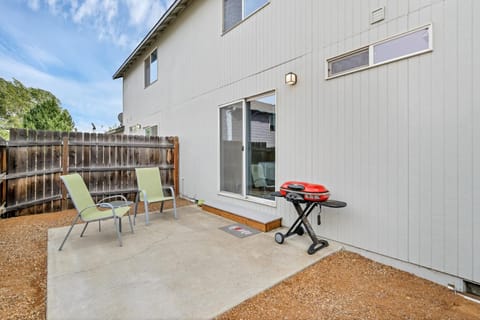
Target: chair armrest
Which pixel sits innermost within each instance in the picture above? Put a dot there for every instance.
(113, 197)
(172, 191)
(143, 193)
(98, 205)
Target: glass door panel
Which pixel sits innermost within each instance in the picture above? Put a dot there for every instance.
(261, 146)
(231, 148)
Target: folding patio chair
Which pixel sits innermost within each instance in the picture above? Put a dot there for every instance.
(258, 177)
(150, 190)
(88, 211)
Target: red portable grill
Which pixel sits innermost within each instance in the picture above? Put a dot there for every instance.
(311, 195)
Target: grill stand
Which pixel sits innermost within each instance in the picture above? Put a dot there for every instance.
(302, 220)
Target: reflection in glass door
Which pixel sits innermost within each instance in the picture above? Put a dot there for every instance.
(260, 169)
(231, 148)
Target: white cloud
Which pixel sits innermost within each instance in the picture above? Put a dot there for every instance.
(146, 12)
(111, 9)
(87, 9)
(52, 5)
(111, 19)
(41, 56)
(34, 4)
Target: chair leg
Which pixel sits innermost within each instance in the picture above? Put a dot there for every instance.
(146, 211)
(137, 198)
(84, 228)
(68, 233)
(117, 228)
(130, 220)
(175, 208)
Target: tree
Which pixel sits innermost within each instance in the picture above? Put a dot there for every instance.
(15, 101)
(48, 115)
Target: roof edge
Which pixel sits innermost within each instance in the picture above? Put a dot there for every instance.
(169, 16)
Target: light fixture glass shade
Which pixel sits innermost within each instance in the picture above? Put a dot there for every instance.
(291, 78)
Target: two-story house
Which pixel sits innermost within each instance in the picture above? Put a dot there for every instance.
(377, 100)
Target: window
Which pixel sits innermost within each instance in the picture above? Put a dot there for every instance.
(247, 147)
(402, 46)
(349, 62)
(135, 128)
(235, 11)
(151, 68)
(151, 131)
(408, 44)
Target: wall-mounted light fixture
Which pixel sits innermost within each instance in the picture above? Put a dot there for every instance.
(138, 126)
(291, 78)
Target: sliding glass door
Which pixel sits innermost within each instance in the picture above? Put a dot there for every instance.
(247, 147)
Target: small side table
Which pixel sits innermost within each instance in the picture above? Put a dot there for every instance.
(115, 204)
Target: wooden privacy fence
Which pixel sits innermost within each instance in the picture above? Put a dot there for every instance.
(35, 160)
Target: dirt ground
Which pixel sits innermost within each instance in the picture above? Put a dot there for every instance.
(342, 286)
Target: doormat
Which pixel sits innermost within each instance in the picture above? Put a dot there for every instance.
(239, 230)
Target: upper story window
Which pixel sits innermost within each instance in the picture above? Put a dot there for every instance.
(235, 11)
(151, 68)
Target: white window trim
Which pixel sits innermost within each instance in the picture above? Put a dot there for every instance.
(257, 200)
(149, 57)
(244, 18)
(219, 136)
(371, 63)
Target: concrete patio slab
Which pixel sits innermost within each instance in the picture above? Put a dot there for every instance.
(171, 269)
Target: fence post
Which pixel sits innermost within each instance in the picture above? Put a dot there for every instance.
(176, 164)
(3, 174)
(64, 171)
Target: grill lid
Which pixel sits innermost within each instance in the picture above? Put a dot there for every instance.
(309, 191)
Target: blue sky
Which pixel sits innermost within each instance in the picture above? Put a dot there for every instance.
(72, 48)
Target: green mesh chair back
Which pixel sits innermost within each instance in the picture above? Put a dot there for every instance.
(150, 190)
(79, 193)
(149, 180)
(88, 211)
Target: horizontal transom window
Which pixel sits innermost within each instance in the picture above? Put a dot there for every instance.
(402, 46)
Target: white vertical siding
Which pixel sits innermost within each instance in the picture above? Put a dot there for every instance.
(451, 137)
(465, 142)
(476, 143)
(399, 142)
(438, 144)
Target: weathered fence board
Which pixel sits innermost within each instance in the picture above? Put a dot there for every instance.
(3, 175)
(37, 159)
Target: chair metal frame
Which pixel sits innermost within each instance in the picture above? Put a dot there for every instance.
(143, 193)
(102, 214)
